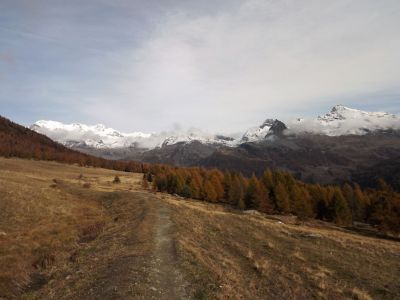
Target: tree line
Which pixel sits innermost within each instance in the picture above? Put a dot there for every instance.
(280, 193)
(18, 141)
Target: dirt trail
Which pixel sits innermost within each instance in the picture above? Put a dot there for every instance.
(133, 258)
(167, 279)
(149, 268)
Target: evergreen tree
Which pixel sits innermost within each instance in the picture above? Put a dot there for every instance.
(180, 182)
(227, 183)
(196, 183)
(251, 193)
(160, 183)
(385, 210)
(303, 204)
(340, 210)
(216, 179)
(263, 200)
(290, 182)
(348, 194)
(209, 191)
(316, 195)
(267, 179)
(361, 202)
(295, 196)
(236, 191)
(186, 191)
(281, 198)
(172, 183)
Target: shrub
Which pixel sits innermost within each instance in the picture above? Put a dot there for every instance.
(116, 179)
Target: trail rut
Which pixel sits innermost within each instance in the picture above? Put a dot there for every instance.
(167, 279)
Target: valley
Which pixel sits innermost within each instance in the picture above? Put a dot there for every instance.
(69, 232)
(331, 149)
(244, 150)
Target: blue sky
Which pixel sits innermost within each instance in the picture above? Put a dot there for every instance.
(214, 65)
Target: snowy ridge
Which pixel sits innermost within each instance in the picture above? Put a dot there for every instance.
(340, 120)
(100, 137)
(97, 136)
(258, 133)
(196, 135)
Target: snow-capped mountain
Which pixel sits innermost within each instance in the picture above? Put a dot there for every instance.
(96, 136)
(100, 137)
(267, 129)
(342, 120)
(200, 137)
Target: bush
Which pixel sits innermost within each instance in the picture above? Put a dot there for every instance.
(116, 179)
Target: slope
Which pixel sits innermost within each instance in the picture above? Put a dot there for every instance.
(19, 141)
(118, 241)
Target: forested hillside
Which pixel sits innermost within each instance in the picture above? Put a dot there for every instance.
(280, 193)
(19, 141)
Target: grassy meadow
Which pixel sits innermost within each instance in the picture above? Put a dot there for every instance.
(69, 232)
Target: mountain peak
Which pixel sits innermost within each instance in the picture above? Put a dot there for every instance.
(268, 123)
(341, 110)
(268, 128)
(277, 128)
(340, 107)
(343, 120)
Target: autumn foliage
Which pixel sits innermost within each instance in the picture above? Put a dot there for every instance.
(18, 141)
(280, 193)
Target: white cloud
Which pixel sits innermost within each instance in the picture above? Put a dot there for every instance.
(265, 57)
(229, 69)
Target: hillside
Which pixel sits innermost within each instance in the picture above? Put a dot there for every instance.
(311, 158)
(388, 170)
(19, 141)
(69, 232)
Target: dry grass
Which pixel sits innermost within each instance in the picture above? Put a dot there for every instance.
(115, 264)
(360, 295)
(44, 217)
(234, 255)
(64, 235)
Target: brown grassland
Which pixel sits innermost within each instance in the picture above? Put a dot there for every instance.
(69, 232)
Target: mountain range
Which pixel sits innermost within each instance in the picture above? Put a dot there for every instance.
(339, 146)
(339, 121)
